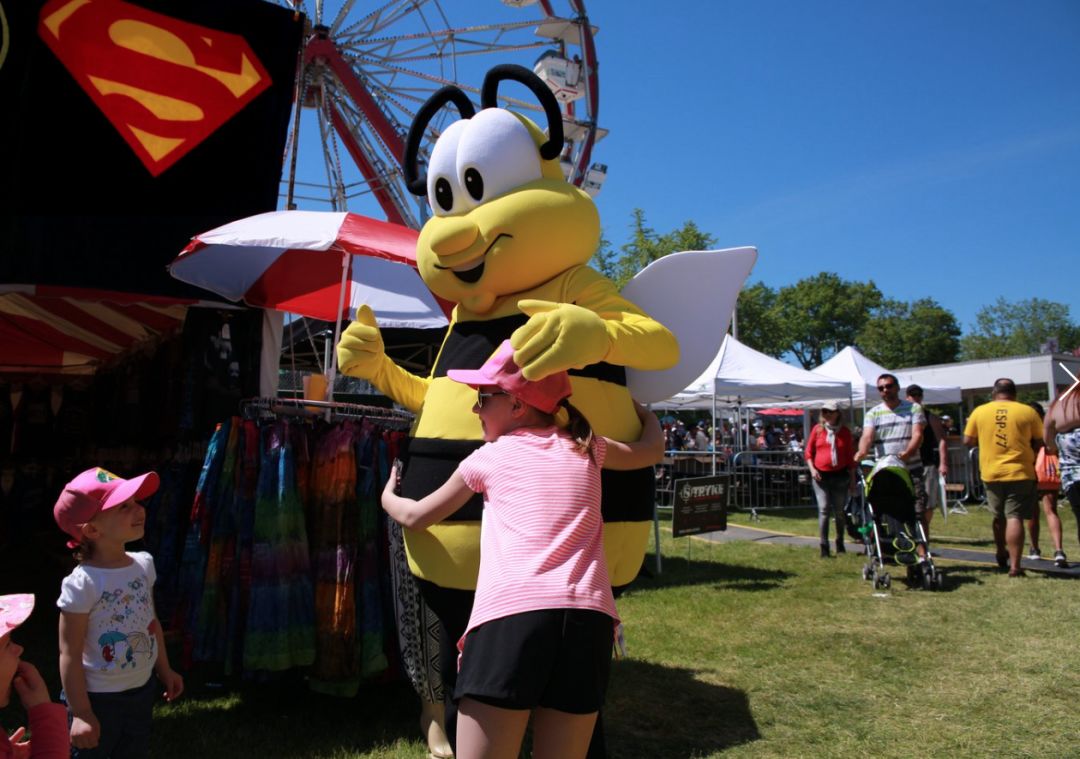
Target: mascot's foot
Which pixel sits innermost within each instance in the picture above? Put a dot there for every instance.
(432, 726)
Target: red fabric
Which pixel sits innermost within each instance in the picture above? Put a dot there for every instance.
(49, 731)
(817, 449)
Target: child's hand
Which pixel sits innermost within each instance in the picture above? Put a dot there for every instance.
(30, 686)
(392, 481)
(85, 731)
(173, 682)
(20, 749)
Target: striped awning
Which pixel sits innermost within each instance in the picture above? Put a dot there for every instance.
(74, 331)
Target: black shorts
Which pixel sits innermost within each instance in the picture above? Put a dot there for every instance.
(554, 658)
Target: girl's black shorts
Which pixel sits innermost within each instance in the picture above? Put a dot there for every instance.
(553, 658)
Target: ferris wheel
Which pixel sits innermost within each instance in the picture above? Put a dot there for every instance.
(366, 70)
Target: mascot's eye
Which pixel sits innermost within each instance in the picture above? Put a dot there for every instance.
(444, 196)
(495, 155)
(474, 183)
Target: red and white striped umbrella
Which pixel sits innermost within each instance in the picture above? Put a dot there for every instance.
(314, 264)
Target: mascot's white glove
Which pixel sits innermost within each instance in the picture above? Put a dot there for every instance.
(556, 337)
(360, 351)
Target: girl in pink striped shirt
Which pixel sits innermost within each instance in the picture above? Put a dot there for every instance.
(539, 638)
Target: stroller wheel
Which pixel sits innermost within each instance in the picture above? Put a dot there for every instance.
(928, 579)
(866, 572)
(939, 581)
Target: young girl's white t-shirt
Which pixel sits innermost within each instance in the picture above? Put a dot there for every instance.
(120, 648)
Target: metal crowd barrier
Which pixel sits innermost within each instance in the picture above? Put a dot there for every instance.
(780, 479)
(770, 480)
(760, 479)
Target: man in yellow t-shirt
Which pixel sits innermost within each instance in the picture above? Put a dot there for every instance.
(1008, 434)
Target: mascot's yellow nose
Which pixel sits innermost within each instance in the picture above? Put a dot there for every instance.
(452, 234)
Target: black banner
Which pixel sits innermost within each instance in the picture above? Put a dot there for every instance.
(128, 127)
(700, 505)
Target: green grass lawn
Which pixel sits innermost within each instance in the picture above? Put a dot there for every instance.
(749, 650)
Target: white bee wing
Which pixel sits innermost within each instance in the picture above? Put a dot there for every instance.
(693, 294)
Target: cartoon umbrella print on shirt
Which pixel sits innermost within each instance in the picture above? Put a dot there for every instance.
(108, 642)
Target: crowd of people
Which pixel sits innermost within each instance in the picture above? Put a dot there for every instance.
(758, 436)
(539, 638)
(1026, 458)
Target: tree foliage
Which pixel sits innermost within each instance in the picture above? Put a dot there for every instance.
(604, 260)
(1019, 329)
(646, 246)
(910, 334)
(756, 320)
(823, 314)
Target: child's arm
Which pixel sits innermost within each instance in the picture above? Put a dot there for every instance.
(646, 451)
(429, 510)
(48, 721)
(173, 682)
(85, 728)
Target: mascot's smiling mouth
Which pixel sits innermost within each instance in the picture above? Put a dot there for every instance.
(472, 271)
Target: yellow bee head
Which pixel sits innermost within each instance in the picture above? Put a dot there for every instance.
(504, 218)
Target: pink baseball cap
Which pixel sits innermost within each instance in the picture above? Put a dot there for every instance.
(14, 609)
(501, 371)
(97, 490)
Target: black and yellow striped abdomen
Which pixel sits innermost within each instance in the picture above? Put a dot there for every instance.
(446, 431)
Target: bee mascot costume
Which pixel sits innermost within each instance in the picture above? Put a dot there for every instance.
(508, 243)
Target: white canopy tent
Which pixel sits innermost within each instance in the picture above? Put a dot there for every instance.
(742, 376)
(852, 366)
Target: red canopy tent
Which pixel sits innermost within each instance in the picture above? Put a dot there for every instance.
(779, 412)
(66, 330)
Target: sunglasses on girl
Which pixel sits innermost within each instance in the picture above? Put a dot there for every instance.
(481, 395)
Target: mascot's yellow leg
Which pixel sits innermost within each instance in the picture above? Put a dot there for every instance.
(624, 548)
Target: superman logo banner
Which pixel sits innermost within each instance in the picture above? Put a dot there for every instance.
(128, 126)
(164, 84)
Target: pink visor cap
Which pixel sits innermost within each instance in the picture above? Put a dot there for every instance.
(14, 610)
(501, 371)
(97, 490)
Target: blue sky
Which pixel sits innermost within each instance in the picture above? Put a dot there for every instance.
(933, 147)
(930, 145)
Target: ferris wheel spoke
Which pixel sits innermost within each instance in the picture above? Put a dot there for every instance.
(391, 13)
(343, 11)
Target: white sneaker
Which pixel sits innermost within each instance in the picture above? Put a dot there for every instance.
(1034, 554)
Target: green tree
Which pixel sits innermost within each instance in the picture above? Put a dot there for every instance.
(646, 246)
(822, 314)
(604, 260)
(1019, 329)
(758, 322)
(910, 334)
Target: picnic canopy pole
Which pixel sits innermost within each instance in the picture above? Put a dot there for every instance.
(331, 358)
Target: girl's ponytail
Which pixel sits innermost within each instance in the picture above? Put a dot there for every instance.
(578, 427)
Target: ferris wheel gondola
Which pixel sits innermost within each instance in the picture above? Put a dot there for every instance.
(364, 73)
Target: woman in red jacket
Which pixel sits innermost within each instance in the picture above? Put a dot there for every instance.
(830, 454)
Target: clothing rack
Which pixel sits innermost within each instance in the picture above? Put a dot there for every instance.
(254, 407)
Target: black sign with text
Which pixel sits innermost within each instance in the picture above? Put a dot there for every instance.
(700, 505)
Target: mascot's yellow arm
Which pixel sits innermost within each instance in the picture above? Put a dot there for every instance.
(361, 353)
(633, 338)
